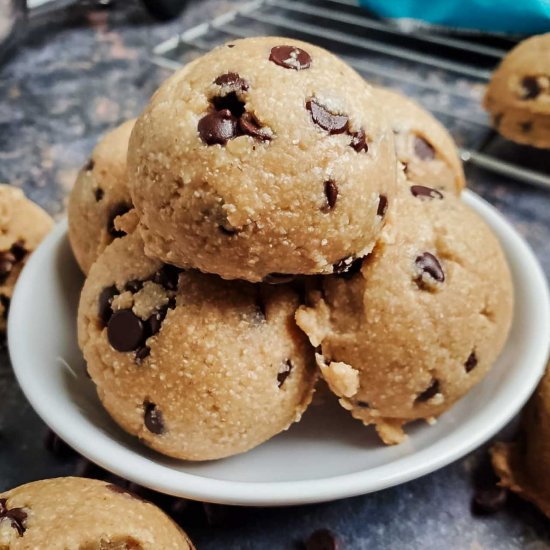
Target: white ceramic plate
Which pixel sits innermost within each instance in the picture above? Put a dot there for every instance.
(326, 456)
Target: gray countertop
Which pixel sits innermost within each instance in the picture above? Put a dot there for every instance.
(70, 82)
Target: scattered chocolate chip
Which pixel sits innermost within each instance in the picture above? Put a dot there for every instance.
(104, 301)
(119, 210)
(16, 516)
(172, 302)
(232, 81)
(250, 126)
(230, 45)
(5, 301)
(422, 149)
(489, 500)
(7, 262)
(422, 192)
(18, 250)
(154, 322)
(142, 353)
(428, 264)
(290, 57)
(359, 141)
(125, 330)
(284, 372)
(471, 362)
(99, 194)
(152, 418)
(168, 276)
(323, 539)
(124, 491)
(218, 127)
(348, 270)
(429, 392)
(526, 126)
(331, 193)
(133, 286)
(382, 206)
(229, 102)
(331, 122)
(362, 404)
(278, 278)
(531, 87)
(89, 166)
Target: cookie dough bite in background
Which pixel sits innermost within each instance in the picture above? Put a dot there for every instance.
(84, 514)
(266, 155)
(197, 367)
(423, 145)
(518, 96)
(23, 225)
(524, 465)
(414, 326)
(99, 195)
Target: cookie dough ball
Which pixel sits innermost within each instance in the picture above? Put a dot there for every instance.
(71, 513)
(23, 225)
(99, 196)
(197, 367)
(424, 147)
(524, 466)
(412, 328)
(265, 156)
(518, 96)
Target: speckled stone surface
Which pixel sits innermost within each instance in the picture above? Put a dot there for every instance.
(85, 73)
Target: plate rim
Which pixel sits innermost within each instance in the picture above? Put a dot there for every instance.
(140, 469)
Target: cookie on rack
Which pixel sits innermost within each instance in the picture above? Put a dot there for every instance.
(23, 225)
(424, 147)
(85, 514)
(524, 465)
(266, 157)
(197, 367)
(518, 96)
(100, 194)
(414, 326)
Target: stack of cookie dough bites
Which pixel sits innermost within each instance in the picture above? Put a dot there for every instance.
(271, 214)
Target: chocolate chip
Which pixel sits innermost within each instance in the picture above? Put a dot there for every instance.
(531, 87)
(16, 516)
(172, 302)
(489, 500)
(359, 141)
(125, 330)
(250, 126)
(228, 231)
(118, 210)
(422, 149)
(290, 57)
(89, 166)
(152, 418)
(133, 286)
(278, 278)
(168, 276)
(284, 372)
(230, 45)
(104, 301)
(471, 362)
(331, 193)
(362, 404)
(154, 322)
(229, 102)
(142, 353)
(232, 81)
(344, 265)
(18, 250)
(5, 301)
(382, 206)
(331, 122)
(423, 192)
(323, 539)
(7, 262)
(429, 392)
(348, 270)
(526, 126)
(428, 264)
(98, 194)
(218, 127)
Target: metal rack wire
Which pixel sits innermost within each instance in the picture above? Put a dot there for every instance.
(446, 73)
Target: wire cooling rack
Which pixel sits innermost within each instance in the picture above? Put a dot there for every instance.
(446, 73)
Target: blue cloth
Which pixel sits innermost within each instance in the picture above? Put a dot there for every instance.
(514, 16)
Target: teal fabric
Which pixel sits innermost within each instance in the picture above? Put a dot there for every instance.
(513, 16)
